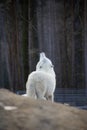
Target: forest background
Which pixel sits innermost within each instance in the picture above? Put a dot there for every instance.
(56, 27)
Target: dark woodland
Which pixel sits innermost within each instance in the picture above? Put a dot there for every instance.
(56, 27)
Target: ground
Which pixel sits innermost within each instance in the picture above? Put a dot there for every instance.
(28, 114)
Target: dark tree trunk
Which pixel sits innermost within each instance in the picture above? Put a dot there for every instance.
(79, 43)
(32, 35)
(5, 79)
(85, 39)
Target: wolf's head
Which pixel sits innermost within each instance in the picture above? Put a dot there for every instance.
(45, 64)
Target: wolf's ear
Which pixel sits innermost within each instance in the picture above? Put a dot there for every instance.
(42, 55)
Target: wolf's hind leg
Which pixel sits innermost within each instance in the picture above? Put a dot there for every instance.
(31, 92)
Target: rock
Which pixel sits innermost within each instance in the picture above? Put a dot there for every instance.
(33, 114)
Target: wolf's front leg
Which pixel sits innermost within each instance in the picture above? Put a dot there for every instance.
(40, 96)
(50, 97)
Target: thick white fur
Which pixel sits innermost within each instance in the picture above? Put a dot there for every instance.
(41, 83)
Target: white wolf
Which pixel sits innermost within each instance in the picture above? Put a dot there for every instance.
(41, 83)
